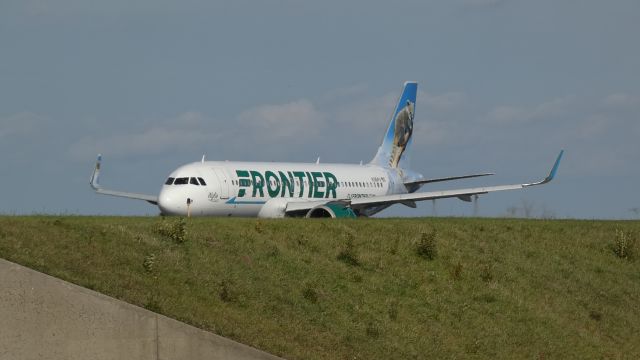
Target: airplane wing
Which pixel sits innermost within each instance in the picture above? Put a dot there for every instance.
(463, 194)
(428, 181)
(95, 185)
(297, 208)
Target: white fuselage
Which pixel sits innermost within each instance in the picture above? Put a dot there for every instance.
(225, 188)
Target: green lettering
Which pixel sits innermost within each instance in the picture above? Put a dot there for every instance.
(300, 176)
(311, 185)
(258, 183)
(332, 183)
(273, 185)
(243, 181)
(287, 183)
(317, 185)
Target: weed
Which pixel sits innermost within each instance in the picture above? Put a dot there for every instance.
(152, 304)
(485, 298)
(149, 262)
(427, 247)
(174, 230)
(310, 294)
(456, 272)
(486, 272)
(623, 245)
(373, 330)
(394, 248)
(348, 254)
(393, 310)
(595, 315)
(302, 240)
(259, 227)
(273, 251)
(225, 291)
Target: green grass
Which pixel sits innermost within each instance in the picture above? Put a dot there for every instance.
(359, 289)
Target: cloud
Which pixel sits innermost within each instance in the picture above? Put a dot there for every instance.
(446, 101)
(297, 120)
(366, 114)
(483, 3)
(503, 115)
(20, 124)
(186, 131)
(594, 126)
(621, 100)
(273, 122)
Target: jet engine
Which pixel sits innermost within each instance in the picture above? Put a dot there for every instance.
(334, 210)
(274, 208)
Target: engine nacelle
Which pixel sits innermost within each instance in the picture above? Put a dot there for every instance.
(274, 208)
(331, 211)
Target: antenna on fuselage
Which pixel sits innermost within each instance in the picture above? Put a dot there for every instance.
(318, 160)
(203, 156)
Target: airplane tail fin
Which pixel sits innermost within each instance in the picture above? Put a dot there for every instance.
(95, 177)
(397, 140)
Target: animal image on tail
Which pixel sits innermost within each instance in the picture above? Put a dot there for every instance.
(402, 132)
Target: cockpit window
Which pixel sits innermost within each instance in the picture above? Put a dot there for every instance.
(194, 181)
(181, 181)
(202, 181)
(169, 181)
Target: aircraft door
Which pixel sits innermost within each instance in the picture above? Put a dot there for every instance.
(223, 181)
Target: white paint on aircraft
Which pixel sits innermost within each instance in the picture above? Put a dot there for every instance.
(273, 190)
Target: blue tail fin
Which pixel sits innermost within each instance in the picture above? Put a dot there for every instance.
(397, 140)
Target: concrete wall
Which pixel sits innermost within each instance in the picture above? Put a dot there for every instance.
(42, 317)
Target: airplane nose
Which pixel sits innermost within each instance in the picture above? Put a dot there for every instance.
(169, 203)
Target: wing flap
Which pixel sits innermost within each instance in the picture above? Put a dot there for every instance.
(428, 181)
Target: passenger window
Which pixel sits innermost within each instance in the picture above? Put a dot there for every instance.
(169, 181)
(202, 181)
(181, 181)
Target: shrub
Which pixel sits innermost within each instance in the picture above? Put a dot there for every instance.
(624, 244)
(174, 230)
(427, 247)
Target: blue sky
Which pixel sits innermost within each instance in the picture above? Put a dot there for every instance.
(503, 86)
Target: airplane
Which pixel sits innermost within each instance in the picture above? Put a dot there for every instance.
(312, 190)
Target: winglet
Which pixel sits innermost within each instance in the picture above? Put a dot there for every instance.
(94, 182)
(553, 172)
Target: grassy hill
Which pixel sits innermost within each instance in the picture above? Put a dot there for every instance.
(361, 289)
